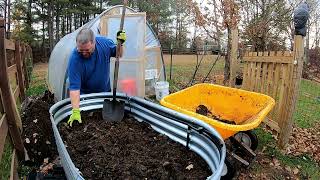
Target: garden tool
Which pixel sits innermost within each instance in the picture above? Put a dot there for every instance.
(113, 110)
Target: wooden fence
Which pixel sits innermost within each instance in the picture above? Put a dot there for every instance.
(278, 75)
(13, 83)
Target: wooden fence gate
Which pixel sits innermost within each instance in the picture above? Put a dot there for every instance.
(14, 80)
(278, 75)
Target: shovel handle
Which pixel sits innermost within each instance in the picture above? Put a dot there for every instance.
(116, 65)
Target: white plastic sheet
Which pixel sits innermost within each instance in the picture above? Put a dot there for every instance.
(58, 62)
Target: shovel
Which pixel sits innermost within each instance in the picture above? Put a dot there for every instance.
(113, 110)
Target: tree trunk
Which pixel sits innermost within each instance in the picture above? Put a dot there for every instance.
(100, 6)
(81, 21)
(216, 24)
(50, 25)
(9, 19)
(70, 23)
(75, 21)
(43, 28)
(234, 63)
(227, 59)
(63, 26)
(5, 13)
(57, 23)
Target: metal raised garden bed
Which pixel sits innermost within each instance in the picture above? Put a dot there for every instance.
(188, 131)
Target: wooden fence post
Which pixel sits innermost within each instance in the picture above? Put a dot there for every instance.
(8, 103)
(19, 71)
(234, 64)
(296, 74)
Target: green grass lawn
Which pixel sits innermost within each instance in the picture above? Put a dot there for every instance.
(308, 106)
(37, 86)
(5, 164)
(182, 74)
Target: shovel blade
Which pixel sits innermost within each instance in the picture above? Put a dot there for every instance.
(113, 110)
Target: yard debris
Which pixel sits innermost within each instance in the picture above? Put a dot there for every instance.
(46, 160)
(295, 171)
(288, 168)
(275, 162)
(189, 167)
(37, 129)
(35, 135)
(305, 141)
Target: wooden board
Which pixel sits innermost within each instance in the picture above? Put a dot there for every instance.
(245, 76)
(12, 68)
(16, 93)
(276, 90)
(251, 74)
(3, 133)
(14, 166)
(272, 124)
(264, 77)
(268, 59)
(9, 45)
(18, 61)
(1, 104)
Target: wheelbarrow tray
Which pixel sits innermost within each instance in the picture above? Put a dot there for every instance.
(246, 109)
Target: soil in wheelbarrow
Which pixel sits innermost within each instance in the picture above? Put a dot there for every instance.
(128, 150)
(203, 110)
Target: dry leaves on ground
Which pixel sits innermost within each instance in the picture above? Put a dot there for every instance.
(305, 141)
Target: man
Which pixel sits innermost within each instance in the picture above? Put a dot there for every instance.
(89, 67)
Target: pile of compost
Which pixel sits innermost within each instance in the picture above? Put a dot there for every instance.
(37, 130)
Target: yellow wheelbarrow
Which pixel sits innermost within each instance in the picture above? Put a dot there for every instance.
(232, 112)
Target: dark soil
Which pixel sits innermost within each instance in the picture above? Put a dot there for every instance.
(203, 110)
(128, 150)
(37, 130)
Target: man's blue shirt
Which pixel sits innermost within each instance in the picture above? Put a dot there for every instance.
(92, 75)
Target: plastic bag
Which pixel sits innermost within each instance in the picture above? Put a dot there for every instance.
(300, 18)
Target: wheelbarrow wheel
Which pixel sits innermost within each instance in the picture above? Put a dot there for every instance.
(249, 138)
(228, 171)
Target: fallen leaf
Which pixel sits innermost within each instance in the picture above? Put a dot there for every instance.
(27, 140)
(46, 160)
(35, 121)
(276, 162)
(263, 149)
(288, 168)
(299, 166)
(48, 142)
(189, 167)
(166, 163)
(295, 171)
(35, 141)
(35, 134)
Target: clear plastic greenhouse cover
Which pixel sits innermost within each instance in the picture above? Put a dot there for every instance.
(140, 67)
